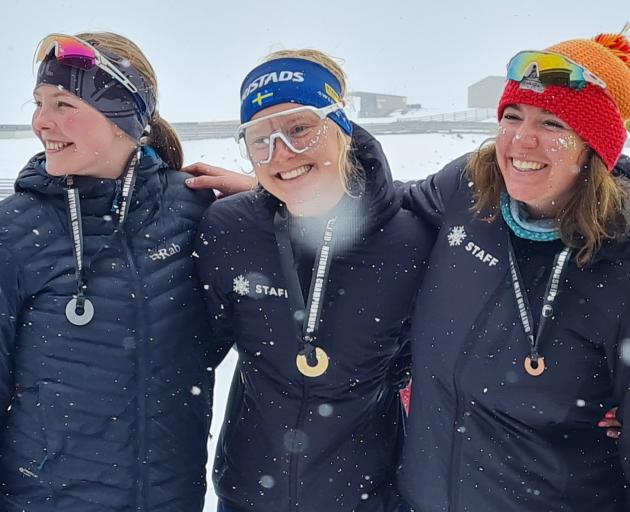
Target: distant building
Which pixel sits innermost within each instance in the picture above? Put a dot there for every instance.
(486, 92)
(372, 104)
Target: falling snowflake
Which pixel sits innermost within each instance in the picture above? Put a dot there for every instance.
(456, 235)
(241, 285)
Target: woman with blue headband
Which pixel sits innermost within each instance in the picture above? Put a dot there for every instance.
(311, 277)
(104, 387)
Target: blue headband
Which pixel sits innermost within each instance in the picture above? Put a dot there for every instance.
(291, 80)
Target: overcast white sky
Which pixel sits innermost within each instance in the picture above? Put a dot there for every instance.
(201, 49)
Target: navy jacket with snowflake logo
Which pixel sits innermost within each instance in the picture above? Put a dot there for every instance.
(483, 434)
(289, 442)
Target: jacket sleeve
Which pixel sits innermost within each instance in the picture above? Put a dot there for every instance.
(621, 382)
(622, 167)
(10, 305)
(428, 198)
(210, 255)
(399, 374)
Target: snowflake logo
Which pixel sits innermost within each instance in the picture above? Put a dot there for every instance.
(456, 235)
(240, 285)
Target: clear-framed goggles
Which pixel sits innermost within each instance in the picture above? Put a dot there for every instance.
(301, 129)
(546, 68)
(77, 53)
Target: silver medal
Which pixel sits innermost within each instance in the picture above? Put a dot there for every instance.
(76, 319)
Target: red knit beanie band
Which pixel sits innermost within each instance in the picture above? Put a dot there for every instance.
(590, 112)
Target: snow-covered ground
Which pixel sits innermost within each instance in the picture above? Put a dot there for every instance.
(410, 156)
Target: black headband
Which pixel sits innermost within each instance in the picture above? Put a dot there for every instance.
(131, 112)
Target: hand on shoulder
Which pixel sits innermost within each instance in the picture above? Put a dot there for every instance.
(225, 181)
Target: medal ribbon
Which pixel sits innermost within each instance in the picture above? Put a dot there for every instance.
(73, 209)
(560, 264)
(306, 318)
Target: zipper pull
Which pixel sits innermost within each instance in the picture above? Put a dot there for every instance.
(116, 201)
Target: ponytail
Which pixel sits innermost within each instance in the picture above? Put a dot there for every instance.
(164, 139)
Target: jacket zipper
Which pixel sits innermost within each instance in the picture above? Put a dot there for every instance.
(116, 201)
(459, 430)
(142, 374)
(295, 452)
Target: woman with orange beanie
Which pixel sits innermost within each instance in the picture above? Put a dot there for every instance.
(514, 366)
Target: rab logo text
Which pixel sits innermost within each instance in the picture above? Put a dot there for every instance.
(166, 252)
(456, 237)
(267, 78)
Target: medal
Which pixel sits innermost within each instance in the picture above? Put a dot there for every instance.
(316, 370)
(535, 369)
(75, 317)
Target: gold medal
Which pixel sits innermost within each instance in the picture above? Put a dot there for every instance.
(535, 369)
(312, 371)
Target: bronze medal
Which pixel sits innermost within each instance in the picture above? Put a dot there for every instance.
(313, 371)
(535, 369)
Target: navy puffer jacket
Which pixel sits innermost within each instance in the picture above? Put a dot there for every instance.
(292, 443)
(484, 435)
(114, 415)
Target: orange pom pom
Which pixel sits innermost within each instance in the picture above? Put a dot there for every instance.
(618, 44)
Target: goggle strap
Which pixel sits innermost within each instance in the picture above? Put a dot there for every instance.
(113, 71)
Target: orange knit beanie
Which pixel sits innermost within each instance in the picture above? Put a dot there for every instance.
(601, 117)
(608, 56)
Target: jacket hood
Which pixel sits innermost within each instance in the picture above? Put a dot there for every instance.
(622, 167)
(378, 193)
(619, 248)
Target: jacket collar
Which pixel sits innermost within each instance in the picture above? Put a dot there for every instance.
(98, 195)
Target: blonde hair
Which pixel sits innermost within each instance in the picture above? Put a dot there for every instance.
(346, 163)
(593, 213)
(163, 137)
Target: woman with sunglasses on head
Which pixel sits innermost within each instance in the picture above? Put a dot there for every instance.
(310, 276)
(514, 367)
(104, 390)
